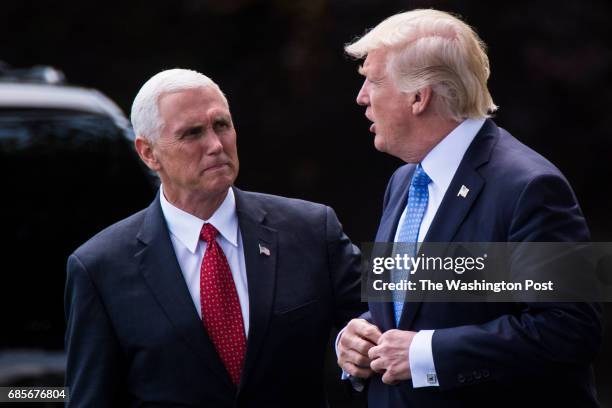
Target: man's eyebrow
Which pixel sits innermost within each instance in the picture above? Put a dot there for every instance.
(361, 70)
(222, 116)
(185, 128)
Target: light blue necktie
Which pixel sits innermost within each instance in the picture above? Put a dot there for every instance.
(418, 196)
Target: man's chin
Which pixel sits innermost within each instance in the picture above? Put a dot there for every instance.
(220, 185)
(379, 144)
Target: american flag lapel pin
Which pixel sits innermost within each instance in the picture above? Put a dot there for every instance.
(264, 250)
(463, 191)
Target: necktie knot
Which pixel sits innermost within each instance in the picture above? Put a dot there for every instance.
(208, 233)
(420, 178)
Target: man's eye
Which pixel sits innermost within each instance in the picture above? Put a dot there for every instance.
(221, 125)
(192, 132)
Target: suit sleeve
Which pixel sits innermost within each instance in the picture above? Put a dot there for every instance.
(541, 338)
(93, 372)
(344, 261)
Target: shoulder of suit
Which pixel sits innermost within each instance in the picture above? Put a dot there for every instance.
(116, 235)
(278, 207)
(511, 163)
(518, 163)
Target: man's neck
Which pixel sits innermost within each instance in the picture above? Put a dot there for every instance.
(430, 135)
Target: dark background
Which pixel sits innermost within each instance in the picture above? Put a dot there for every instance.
(292, 90)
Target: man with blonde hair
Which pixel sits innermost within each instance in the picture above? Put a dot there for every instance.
(425, 92)
(212, 296)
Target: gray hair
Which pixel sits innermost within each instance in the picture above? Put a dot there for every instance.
(145, 115)
(437, 49)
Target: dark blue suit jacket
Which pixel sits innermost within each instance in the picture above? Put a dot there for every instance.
(497, 354)
(134, 337)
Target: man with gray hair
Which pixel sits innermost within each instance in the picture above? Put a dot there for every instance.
(466, 180)
(212, 296)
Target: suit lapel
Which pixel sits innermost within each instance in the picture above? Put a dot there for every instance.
(455, 206)
(161, 271)
(260, 247)
(448, 218)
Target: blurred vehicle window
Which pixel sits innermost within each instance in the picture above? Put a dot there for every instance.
(65, 174)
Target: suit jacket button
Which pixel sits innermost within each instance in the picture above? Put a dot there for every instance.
(485, 373)
(461, 378)
(477, 375)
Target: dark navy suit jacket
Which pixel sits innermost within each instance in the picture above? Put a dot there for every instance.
(134, 337)
(497, 354)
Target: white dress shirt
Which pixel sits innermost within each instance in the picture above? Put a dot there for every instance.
(189, 249)
(440, 164)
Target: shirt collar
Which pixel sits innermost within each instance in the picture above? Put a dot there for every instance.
(186, 227)
(442, 161)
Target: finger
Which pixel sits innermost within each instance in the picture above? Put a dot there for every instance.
(357, 325)
(375, 352)
(368, 332)
(378, 366)
(356, 371)
(354, 357)
(389, 378)
(349, 340)
(358, 344)
(362, 327)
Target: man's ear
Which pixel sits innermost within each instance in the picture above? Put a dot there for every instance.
(421, 100)
(144, 148)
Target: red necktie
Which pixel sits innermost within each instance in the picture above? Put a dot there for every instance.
(221, 311)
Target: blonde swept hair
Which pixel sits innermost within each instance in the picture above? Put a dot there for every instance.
(434, 48)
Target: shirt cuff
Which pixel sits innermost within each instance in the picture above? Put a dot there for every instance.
(422, 365)
(345, 375)
(338, 340)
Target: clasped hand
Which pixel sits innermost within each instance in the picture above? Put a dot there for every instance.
(363, 350)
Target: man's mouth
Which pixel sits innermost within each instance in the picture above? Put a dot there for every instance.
(215, 166)
(373, 125)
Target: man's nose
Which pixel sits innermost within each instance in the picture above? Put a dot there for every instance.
(363, 97)
(213, 144)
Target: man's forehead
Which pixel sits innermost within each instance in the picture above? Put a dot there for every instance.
(208, 95)
(373, 63)
(186, 104)
(202, 112)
